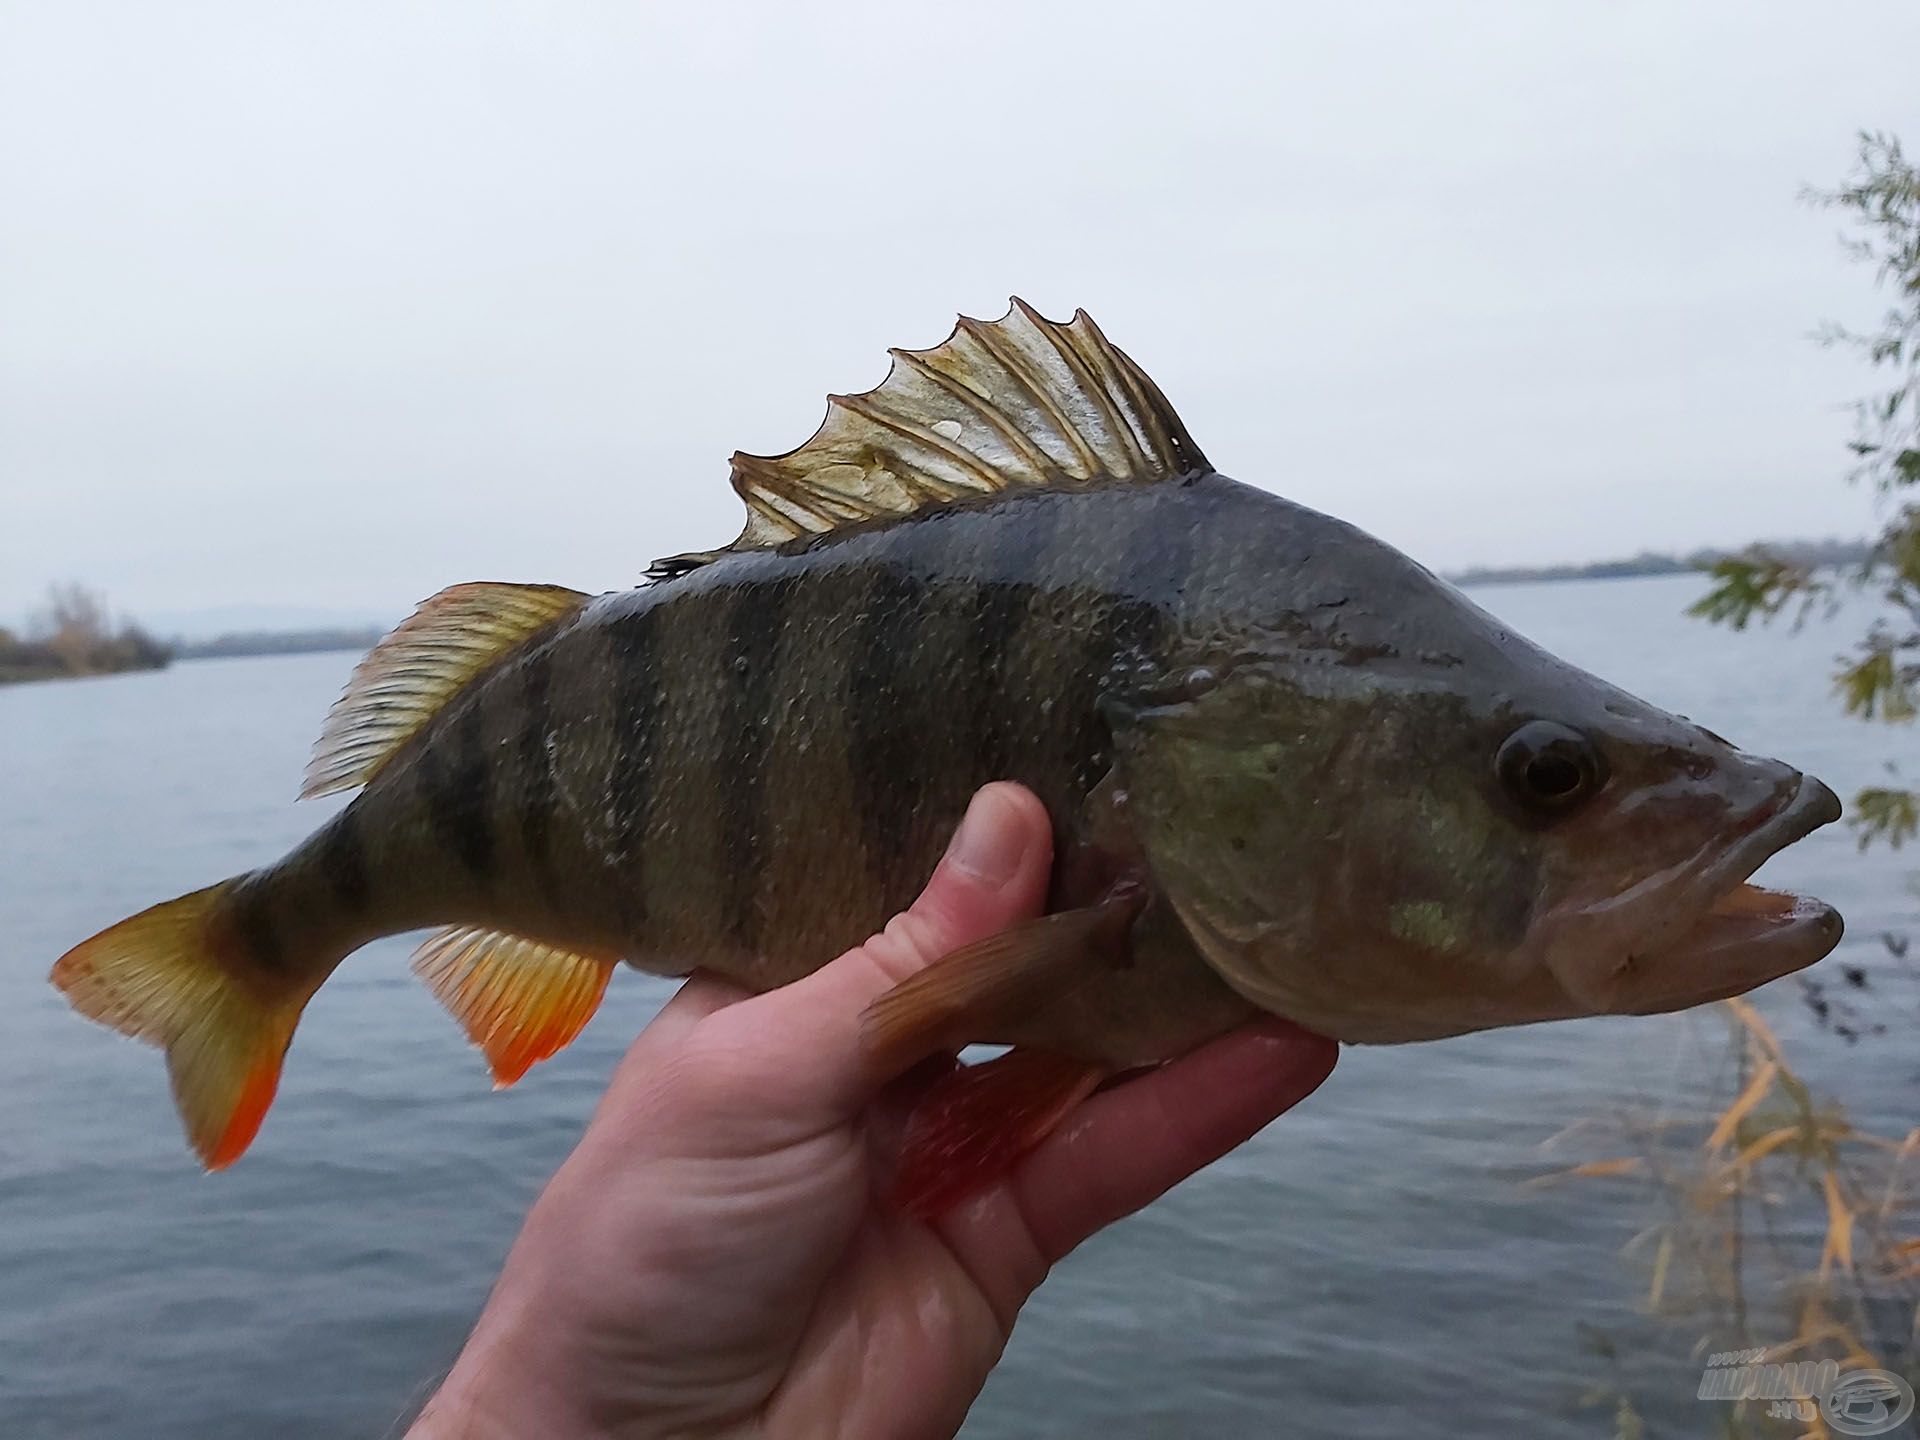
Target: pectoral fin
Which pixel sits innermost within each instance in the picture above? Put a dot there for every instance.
(974, 995)
(975, 1123)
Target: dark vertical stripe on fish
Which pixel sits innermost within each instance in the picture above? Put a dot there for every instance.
(880, 680)
(1002, 610)
(537, 795)
(343, 862)
(756, 614)
(634, 659)
(1154, 553)
(253, 921)
(453, 778)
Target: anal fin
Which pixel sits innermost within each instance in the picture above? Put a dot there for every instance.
(975, 1122)
(521, 1001)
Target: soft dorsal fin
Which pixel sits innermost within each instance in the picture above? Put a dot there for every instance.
(519, 1000)
(1018, 401)
(416, 670)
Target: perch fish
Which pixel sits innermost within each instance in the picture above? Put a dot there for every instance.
(1289, 770)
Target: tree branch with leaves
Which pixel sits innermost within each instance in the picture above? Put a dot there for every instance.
(1880, 678)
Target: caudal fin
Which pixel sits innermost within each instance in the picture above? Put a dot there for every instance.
(176, 976)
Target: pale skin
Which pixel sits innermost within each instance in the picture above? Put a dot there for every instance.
(718, 1257)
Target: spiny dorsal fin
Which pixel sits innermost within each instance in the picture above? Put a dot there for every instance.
(416, 670)
(1018, 401)
(519, 1000)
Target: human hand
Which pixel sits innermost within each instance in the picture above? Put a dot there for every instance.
(717, 1257)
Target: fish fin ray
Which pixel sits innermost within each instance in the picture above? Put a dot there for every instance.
(521, 1001)
(173, 976)
(415, 670)
(975, 1123)
(973, 994)
(1022, 401)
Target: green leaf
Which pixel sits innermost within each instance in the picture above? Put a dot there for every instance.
(1756, 585)
(1876, 686)
(1885, 814)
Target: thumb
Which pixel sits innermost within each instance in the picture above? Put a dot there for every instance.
(807, 1034)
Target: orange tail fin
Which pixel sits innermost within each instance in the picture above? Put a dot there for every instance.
(174, 976)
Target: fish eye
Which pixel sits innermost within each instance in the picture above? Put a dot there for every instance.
(1549, 767)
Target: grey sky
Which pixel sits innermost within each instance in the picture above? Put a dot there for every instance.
(323, 307)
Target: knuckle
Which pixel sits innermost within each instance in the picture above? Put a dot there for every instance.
(909, 943)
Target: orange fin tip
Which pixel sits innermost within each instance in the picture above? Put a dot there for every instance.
(173, 976)
(521, 1001)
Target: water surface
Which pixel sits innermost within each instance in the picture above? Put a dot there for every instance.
(1370, 1266)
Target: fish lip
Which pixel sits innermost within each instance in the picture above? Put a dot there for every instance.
(1669, 948)
(1810, 806)
(1744, 957)
(1788, 935)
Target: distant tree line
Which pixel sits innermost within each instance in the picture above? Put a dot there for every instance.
(73, 635)
(1807, 554)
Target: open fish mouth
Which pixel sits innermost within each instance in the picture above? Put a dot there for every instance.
(1744, 934)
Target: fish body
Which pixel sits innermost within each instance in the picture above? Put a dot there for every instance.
(746, 768)
(1289, 769)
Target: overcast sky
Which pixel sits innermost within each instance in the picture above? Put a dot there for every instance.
(315, 309)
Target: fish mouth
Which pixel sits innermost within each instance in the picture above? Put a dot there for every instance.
(1730, 936)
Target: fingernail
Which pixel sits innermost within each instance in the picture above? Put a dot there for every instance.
(991, 841)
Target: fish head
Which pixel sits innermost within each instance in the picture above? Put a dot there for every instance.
(1385, 850)
(1649, 827)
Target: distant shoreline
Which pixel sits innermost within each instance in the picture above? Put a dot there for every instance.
(16, 672)
(277, 642)
(1814, 554)
(1558, 574)
(30, 664)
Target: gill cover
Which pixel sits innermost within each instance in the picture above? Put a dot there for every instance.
(1351, 859)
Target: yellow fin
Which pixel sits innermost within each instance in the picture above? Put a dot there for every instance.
(176, 976)
(1019, 401)
(519, 1000)
(416, 670)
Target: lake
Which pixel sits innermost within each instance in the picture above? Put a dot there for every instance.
(1374, 1265)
